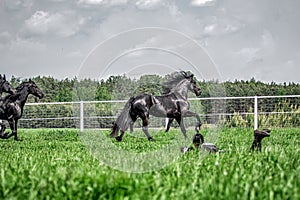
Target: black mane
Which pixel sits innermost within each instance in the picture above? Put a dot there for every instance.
(173, 80)
(23, 84)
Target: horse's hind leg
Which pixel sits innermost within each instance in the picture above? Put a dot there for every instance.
(131, 127)
(170, 120)
(145, 120)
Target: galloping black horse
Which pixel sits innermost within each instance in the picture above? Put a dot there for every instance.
(5, 87)
(11, 108)
(174, 104)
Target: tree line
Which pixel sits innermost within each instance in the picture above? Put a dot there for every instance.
(121, 87)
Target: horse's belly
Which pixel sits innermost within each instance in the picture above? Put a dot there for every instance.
(158, 111)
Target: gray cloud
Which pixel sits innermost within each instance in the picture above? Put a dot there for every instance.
(244, 38)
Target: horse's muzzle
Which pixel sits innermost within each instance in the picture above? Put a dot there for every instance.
(41, 95)
(198, 92)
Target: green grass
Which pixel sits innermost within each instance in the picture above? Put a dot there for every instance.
(54, 164)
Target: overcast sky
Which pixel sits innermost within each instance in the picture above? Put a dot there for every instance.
(244, 39)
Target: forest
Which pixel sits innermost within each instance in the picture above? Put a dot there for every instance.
(121, 87)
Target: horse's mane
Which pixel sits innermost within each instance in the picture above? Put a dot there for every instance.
(21, 86)
(2, 79)
(173, 80)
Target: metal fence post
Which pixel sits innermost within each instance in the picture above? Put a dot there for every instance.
(81, 116)
(255, 113)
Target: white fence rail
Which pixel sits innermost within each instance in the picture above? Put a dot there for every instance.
(254, 111)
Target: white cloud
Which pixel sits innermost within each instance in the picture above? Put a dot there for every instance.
(249, 54)
(59, 24)
(148, 4)
(17, 4)
(209, 28)
(102, 2)
(221, 27)
(76, 53)
(199, 3)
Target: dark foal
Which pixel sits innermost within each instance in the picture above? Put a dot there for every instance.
(258, 136)
(198, 142)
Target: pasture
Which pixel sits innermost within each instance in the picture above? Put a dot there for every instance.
(54, 164)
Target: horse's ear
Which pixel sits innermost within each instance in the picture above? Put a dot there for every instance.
(30, 80)
(0, 76)
(184, 74)
(4, 77)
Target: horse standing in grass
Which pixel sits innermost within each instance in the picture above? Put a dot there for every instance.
(12, 106)
(5, 87)
(174, 104)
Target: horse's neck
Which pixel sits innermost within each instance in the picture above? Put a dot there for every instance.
(181, 90)
(23, 97)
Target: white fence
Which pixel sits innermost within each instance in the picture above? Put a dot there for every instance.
(254, 111)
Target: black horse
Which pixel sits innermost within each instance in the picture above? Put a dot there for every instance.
(5, 86)
(12, 106)
(174, 104)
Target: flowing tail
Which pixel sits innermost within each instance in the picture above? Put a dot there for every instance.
(124, 119)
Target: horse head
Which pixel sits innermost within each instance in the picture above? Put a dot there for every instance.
(193, 85)
(32, 88)
(5, 86)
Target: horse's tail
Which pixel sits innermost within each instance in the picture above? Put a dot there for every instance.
(124, 119)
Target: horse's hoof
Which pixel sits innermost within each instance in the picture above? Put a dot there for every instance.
(151, 139)
(118, 138)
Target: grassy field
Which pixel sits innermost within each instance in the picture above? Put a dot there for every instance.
(54, 164)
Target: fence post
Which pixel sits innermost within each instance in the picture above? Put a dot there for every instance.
(81, 116)
(255, 113)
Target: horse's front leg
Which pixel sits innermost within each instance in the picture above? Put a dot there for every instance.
(120, 137)
(16, 132)
(2, 129)
(179, 120)
(12, 126)
(189, 113)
